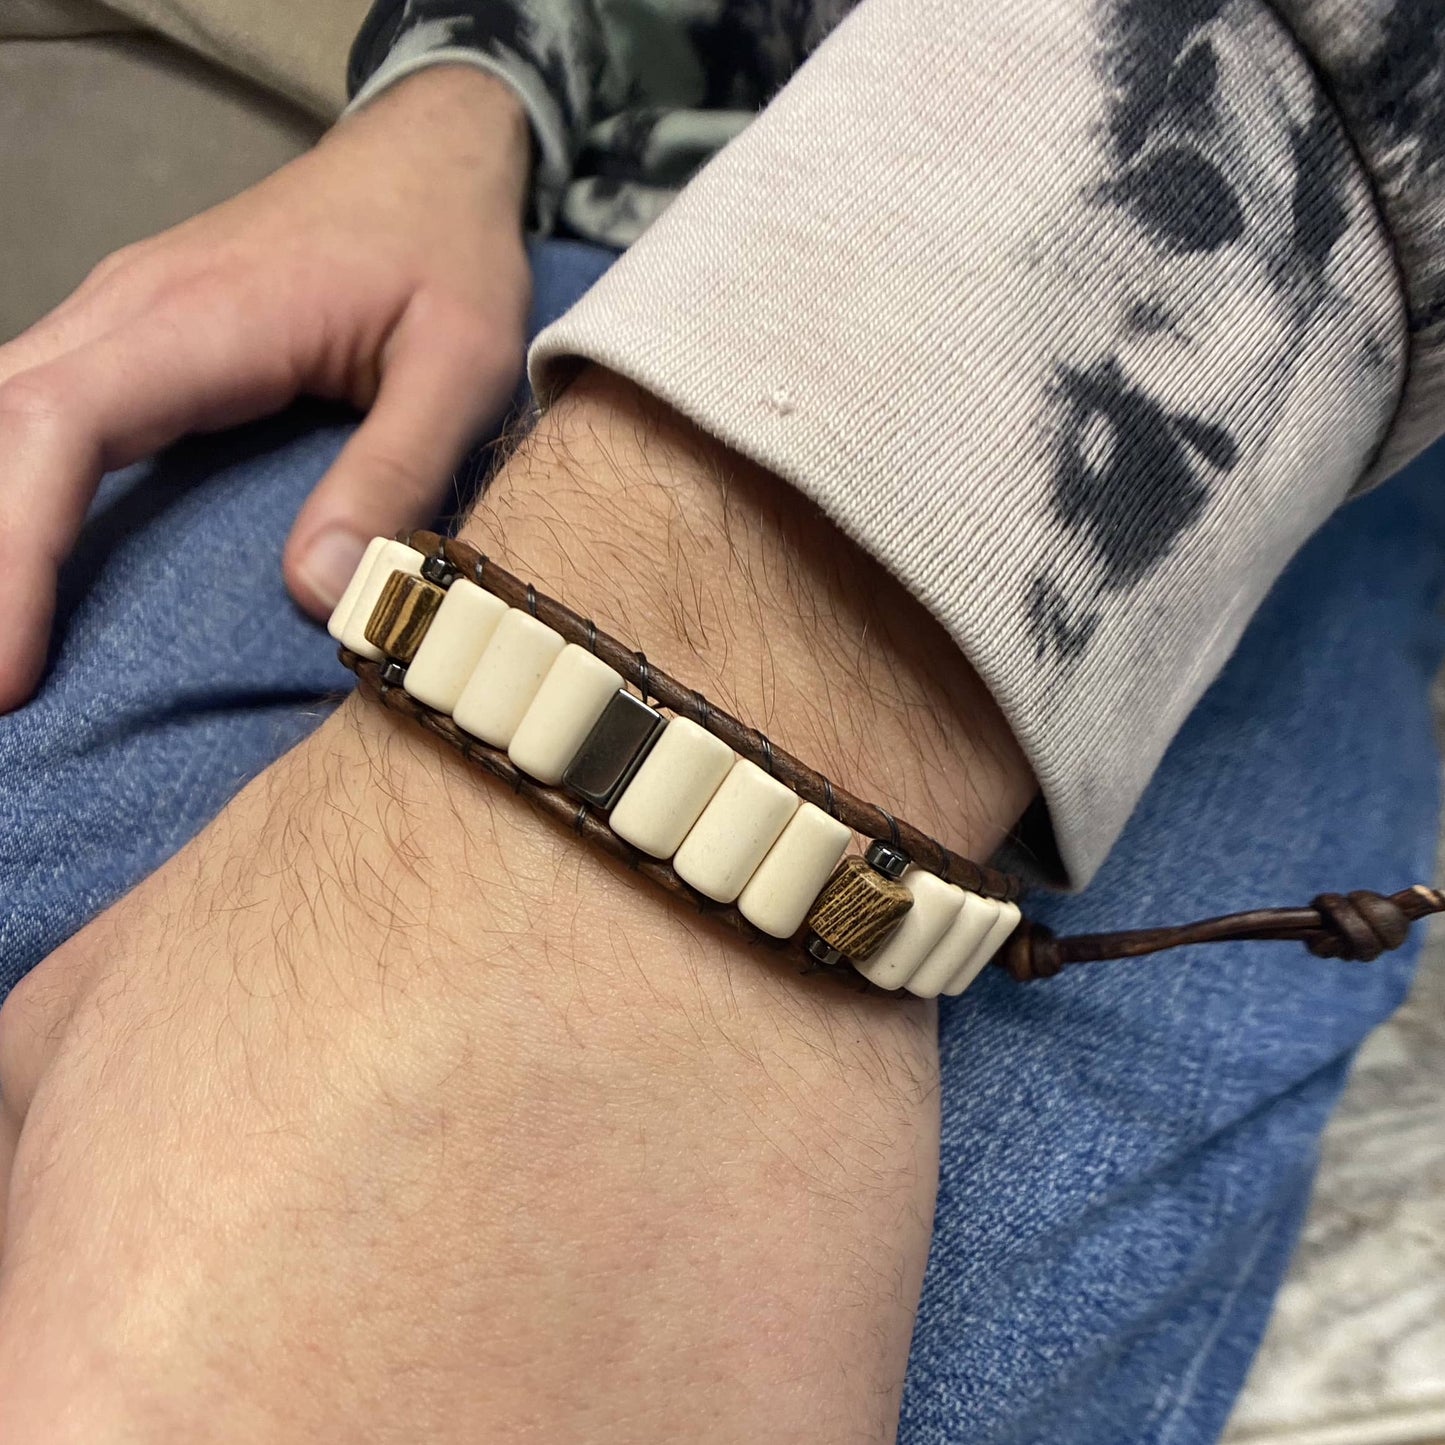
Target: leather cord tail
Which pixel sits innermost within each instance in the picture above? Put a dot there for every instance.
(1357, 927)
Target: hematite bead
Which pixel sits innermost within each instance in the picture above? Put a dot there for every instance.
(858, 909)
(402, 615)
(891, 862)
(436, 569)
(393, 674)
(614, 750)
(823, 952)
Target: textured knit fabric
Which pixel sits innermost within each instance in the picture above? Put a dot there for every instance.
(1126, 1149)
(1080, 315)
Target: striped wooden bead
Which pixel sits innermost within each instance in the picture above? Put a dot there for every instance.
(858, 910)
(348, 621)
(402, 615)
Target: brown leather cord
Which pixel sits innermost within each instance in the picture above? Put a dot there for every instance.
(652, 682)
(1357, 926)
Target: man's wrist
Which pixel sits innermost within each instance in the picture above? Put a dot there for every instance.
(735, 583)
(479, 115)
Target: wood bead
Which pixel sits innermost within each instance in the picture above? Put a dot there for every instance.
(858, 909)
(454, 644)
(572, 697)
(666, 797)
(389, 557)
(952, 956)
(506, 678)
(1008, 918)
(734, 832)
(787, 882)
(402, 615)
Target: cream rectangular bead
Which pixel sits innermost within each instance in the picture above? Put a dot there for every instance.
(454, 644)
(571, 699)
(389, 557)
(732, 836)
(1007, 920)
(347, 601)
(507, 677)
(671, 788)
(935, 905)
(954, 952)
(787, 882)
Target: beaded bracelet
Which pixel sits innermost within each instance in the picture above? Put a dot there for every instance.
(712, 810)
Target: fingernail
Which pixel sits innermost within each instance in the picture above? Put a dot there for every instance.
(330, 561)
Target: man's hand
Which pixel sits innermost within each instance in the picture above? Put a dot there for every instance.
(387, 1111)
(386, 268)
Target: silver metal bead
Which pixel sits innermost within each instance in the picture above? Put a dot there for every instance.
(438, 570)
(891, 862)
(615, 748)
(823, 952)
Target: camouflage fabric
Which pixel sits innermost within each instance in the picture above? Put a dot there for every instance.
(627, 100)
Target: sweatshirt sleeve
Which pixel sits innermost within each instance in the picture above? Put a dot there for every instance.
(1080, 317)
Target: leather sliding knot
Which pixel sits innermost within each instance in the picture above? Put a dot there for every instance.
(1032, 952)
(1357, 926)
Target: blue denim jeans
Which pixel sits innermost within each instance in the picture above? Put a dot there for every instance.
(1127, 1151)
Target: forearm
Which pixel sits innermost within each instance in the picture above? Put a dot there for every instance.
(520, 1147)
(772, 1138)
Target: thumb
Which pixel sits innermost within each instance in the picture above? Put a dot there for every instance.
(444, 381)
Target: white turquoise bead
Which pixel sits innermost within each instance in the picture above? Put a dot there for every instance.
(734, 832)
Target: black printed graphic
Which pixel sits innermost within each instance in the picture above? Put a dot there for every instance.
(1235, 218)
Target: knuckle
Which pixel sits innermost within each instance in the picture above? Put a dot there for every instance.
(30, 401)
(394, 474)
(483, 334)
(117, 263)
